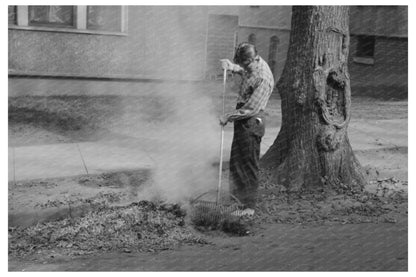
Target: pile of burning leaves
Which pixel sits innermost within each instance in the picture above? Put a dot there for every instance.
(139, 227)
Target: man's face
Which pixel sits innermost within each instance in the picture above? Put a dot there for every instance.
(245, 64)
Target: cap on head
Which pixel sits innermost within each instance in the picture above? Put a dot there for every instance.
(245, 52)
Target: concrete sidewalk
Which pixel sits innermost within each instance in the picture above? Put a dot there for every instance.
(73, 159)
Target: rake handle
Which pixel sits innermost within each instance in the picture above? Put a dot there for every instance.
(222, 138)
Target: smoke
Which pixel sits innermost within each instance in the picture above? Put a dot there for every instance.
(183, 143)
(184, 164)
(186, 138)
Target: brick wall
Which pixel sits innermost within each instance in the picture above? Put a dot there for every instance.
(388, 75)
(379, 20)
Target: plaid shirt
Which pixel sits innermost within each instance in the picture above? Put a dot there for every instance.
(255, 90)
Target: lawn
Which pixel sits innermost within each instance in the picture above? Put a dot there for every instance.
(48, 119)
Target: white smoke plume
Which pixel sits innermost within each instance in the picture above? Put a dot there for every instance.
(184, 145)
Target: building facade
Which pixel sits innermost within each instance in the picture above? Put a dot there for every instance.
(378, 60)
(186, 42)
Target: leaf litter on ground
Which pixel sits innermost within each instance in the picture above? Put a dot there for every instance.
(138, 227)
(147, 226)
(381, 201)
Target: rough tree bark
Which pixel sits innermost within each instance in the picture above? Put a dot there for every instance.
(312, 148)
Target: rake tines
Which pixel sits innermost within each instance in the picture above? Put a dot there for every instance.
(212, 214)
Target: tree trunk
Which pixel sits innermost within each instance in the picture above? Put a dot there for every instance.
(312, 148)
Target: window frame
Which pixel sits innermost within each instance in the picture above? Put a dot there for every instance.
(55, 25)
(80, 24)
(98, 29)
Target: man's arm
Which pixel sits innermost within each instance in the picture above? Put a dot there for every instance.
(228, 65)
(237, 69)
(258, 99)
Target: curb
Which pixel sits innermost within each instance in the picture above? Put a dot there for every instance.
(26, 219)
(32, 215)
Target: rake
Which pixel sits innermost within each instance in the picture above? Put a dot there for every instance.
(208, 213)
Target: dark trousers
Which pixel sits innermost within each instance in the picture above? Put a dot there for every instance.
(244, 160)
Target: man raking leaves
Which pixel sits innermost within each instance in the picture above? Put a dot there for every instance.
(249, 122)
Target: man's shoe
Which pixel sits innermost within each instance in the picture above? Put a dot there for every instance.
(245, 212)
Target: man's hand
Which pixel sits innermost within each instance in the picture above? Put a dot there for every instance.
(223, 120)
(227, 64)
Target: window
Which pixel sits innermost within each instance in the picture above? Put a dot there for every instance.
(59, 16)
(12, 15)
(364, 53)
(110, 20)
(365, 46)
(104, 18)
(274, 41)
(252, 39)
